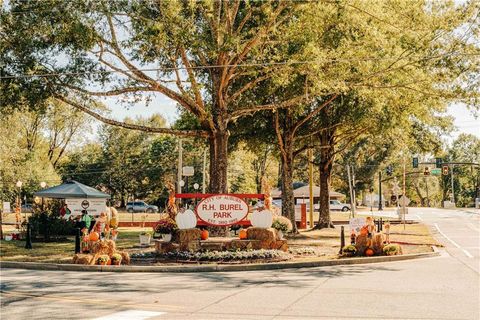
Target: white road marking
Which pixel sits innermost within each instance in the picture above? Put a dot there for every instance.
(453, 242)
(131, 314)
(471, 226)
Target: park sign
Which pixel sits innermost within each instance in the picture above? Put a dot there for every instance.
(94, 206)
(222, 210)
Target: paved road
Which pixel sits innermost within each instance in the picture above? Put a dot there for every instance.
(445, 287)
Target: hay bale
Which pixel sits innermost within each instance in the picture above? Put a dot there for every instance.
(361, 243)
(186, 235)
(125, 257)
(377, 243)
(82, 259)
(267, 235)
(107, 247)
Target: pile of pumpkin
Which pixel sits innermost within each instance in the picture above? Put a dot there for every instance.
(369, 243)
(101, 252)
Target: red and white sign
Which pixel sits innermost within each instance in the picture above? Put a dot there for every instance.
(222, 210)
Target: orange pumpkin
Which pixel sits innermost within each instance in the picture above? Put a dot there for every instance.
(204, 234)
(94, 236)
(369, 252)
(242, 234)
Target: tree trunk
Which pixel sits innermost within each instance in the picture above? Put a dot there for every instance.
(327, 156)
(218, 162)
(288, 200)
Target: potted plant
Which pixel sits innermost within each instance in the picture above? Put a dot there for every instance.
(166, 227)
(349, 250)
(103, 260)
(144, 238)
(282, 225)
(116, 259)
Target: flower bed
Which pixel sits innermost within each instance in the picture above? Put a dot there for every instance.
(249, 256)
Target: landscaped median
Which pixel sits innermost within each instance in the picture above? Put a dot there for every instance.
(307, 249)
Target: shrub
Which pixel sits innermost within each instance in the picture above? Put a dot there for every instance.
(166, 226)
(282, 223)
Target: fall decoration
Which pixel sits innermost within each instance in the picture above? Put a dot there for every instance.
(242, 234)
(392, 249)
(369, 252)
(94, 236)
(204, 234)
(116, 259)
(103, 260)
(261, 219)
(186, 220)
(166, 226)
(349, 250)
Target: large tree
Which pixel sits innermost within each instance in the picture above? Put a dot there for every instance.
(206, 56)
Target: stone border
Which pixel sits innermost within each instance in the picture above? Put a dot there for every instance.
(216, 267)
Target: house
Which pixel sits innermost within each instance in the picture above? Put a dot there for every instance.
(302, 194)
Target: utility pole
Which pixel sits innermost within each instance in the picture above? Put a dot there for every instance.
(404, 203)
(354, 210)
(352, 200)
(453, 192)
(180, 166)
(426, 187)
(310, 180)
(204, 170)
(380, 205)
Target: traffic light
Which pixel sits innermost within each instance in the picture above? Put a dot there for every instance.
(426, 172)
(445, 170)
(415, 162)
(438, 162)
(389, 170)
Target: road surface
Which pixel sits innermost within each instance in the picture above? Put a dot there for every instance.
(445, 287)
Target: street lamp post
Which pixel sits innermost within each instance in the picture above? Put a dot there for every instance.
(43, 184)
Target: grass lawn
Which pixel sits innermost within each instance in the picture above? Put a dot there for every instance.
(59, 252)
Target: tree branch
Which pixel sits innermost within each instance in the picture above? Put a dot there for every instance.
(184, 133)
(314, 112)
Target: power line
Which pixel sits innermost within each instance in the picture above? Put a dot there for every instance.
(260, 64)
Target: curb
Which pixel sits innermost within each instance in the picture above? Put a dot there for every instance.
(215, 267)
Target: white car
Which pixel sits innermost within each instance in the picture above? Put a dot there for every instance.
(337, 205)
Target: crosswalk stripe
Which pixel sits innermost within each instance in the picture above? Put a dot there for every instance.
(131, 315)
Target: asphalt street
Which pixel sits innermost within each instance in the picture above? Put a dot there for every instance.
(445, 287)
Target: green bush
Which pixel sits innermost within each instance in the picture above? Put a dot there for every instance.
(226, 255)
(48, 223)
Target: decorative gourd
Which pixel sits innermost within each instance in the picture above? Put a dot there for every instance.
(242, 234)
(94, 236)
(186, 220)
(204, 234)
(261, 219)
(369, 252)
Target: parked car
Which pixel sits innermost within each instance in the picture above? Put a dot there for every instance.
(141, 206)
(27, 207)
(337, 205)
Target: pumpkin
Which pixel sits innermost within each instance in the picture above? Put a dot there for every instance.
(261, 219)
(242, 234)
(204, 234)
(369, 252)
(186, 220)
(94, 236)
